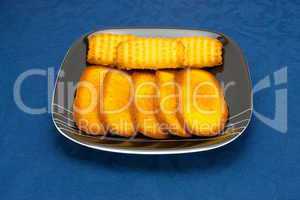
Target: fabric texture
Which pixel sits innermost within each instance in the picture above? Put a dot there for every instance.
(37, 162)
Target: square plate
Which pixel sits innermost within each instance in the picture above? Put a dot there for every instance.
(233, 75)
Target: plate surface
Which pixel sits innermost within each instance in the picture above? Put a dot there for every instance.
(233, 75)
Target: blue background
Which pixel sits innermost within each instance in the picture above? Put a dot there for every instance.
(37, 162)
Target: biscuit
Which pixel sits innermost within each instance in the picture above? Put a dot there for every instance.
(102, 47)
(88, 99)
(167, 102)
(201, 51)
(117, 103)
(150, 53)
(145, 107)
(203, 108)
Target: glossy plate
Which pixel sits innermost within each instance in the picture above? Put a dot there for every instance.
(233, 74)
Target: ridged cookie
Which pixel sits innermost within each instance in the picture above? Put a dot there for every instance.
(201, 51)
(103, 47)
(150, 53)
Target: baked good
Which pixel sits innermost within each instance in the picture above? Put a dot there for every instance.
(117, 103)
(102, 47)
(168, 102)
(150, 53)
(144, 104)
(203, 109)
(201, 51)
(87, 102)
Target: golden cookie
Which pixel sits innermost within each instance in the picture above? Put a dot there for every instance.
(201, 51)
(102, 47)
(145, 107)
(87, 101)
(203, 108)
(150, 53)
(167, 102)
(118, 103)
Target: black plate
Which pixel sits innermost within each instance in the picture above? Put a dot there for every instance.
(233, 74)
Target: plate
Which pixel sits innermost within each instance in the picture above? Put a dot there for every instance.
(233, 75)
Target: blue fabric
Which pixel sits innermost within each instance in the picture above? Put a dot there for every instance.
(38, 163)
